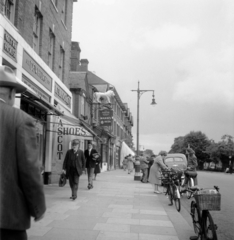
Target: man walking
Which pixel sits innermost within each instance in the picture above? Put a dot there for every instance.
(91, 155)
(73, 167)
(22, 195)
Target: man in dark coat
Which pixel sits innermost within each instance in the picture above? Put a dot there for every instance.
(21, 188)
(73, 166)
(91, 155)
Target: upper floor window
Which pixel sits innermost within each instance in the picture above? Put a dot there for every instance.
(64, 12)
(37, 31)
(51, 49)
(61, 63)
(9, 9)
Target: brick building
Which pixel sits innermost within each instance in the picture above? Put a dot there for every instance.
(35, 41)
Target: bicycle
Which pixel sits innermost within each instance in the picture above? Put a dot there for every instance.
(172, 182)
(205, 200)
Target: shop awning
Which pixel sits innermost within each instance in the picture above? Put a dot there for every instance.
(125, 150)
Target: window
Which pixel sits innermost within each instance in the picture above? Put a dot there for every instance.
(64, 12)
(51, 50)
(37, 31)
(61, 63)
(9, 9)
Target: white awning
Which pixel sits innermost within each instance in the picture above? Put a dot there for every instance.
(125, 150)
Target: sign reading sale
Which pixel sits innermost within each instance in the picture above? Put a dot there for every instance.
(105, 117)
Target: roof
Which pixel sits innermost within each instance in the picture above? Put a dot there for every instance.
(77, 80)
(95, 80)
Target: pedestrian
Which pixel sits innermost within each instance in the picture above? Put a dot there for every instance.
(22, 195)
(73, 166)
(144, 168)
(125, 163)
(151, 161)
(130, 163)
(191, 166)
(91, 156)
(97, 168)
(230, 167)
(155, 173)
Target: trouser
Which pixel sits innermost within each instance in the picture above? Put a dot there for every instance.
(8, 234)
(144, 175)
(74, 182)
(90, 172)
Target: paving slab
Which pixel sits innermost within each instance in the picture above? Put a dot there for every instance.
(116, 208)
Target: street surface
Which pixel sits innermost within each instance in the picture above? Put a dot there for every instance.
(224, 218)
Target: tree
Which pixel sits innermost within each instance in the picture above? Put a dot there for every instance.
(178, 145)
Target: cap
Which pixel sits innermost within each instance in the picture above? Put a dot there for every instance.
(163, 153)
(75, 142)
(8, 79)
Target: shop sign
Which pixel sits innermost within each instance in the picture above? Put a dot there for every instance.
(64, 130)
(105, 117)
(32, 67)
(10, 46)
(62, 95)
(35, 88)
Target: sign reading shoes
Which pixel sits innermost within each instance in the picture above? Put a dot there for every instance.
(62, 95)
(33, 68)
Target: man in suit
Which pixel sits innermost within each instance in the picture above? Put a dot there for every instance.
(73, 166)
(21, 188)
(90, 154)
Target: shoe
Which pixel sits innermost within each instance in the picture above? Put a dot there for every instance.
(157, 192)
(71, 197)
(89, 186)
(74, 198)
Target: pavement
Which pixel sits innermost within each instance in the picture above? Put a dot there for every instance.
(117, 208)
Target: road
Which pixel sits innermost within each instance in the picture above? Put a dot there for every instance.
(224, 218)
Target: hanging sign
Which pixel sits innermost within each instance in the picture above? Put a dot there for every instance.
(105, 117)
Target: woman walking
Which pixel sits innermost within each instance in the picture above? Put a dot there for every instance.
(97, 168)
(155, 173)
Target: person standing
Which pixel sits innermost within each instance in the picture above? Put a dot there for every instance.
(73, 166)
(230, 167)
(144, 168)
(22, 195)
(97, 168)
(130, 163)
(155, 173)
(91, 156)
(151, 161)
(124, 163)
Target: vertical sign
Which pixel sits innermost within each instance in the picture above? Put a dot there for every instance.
(105, 117)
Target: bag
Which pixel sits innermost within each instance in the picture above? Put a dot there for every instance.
(191, 174)
(95, 156)
(62, 180)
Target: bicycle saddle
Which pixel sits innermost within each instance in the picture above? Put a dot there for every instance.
(195, 188)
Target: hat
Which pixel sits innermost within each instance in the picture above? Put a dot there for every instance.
(90, 142)
(190, 150)
(75, 142)
(62, 180)
(8, 79)
(163, 153)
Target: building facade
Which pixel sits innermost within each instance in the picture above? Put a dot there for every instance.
(35, 41)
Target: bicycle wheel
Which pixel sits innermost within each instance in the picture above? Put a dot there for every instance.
(190, 184)
(170, 194)
(177, 199)
(196, 216)
(209, 226)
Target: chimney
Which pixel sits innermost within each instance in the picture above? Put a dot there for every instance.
(84, 65)
(75, 56)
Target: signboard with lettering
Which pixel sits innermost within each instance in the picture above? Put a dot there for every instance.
(62, 95)
(33, 68)
(105, 117)
(35, 88)
(10, 46)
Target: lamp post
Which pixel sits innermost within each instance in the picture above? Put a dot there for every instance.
(139, 93)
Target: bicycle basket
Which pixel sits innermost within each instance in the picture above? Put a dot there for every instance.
(209, 199)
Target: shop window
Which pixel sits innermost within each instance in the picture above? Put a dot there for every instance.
(61, 63)
(51, 49)
(37, 30)
(9, 9)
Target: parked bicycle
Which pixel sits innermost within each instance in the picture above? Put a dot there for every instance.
(190, 175)
(205, 200)
(172, 181)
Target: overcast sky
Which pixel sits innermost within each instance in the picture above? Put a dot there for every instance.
(181, 49)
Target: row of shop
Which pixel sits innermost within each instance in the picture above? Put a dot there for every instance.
(49, 102)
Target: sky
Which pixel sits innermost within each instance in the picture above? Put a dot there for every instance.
(181, 49)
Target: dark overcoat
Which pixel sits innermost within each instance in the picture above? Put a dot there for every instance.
(79, 161)
(90, 163)
(21, 187)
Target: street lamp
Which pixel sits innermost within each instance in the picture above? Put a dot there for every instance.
(139, 93)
